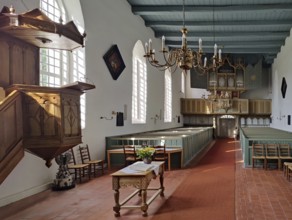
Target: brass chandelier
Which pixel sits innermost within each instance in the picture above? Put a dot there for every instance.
(222, 99)
(184, 57)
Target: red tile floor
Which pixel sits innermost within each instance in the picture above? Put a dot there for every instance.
(259, 194)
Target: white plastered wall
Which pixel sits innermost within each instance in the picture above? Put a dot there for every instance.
(282, 67)
(106, 23)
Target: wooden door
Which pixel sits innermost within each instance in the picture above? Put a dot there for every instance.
(226, 127)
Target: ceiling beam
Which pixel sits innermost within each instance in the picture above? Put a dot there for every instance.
(158, 9)
(233, 34)
(231, 44)
(273, 50)
(251, 23)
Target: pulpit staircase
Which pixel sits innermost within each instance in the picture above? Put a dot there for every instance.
(40, 120)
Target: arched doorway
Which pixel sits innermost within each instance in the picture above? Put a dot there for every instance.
(226, 125)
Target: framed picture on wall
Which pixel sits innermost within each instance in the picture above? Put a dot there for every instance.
(114, 61)
(283, 87)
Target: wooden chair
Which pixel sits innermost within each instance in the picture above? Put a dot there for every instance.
(80, 170)
(160, 154)
(289, 171)
(258, 153)
(130, 154)
(272, 153)
(284, 153)
(94, 165)
(286, 166)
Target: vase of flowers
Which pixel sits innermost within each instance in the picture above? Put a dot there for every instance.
(146, 153)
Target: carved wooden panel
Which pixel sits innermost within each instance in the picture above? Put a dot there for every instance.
(19, 62)
(42, 114)
(243, 106)
(268, 106)
(4, 63)
(16, 65)
(51, 117)
(31, 66)
(260, 106)
(239, 106)
(11, 125)
(11, 149)
(196, 106)
(202, 106)
(71, 105)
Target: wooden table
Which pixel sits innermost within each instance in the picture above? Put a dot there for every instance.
(140, 180)
(168, 151)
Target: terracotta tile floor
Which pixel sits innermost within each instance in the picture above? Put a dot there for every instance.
(260, 194)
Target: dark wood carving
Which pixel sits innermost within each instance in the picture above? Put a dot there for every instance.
(35, 28)
(52, 119)
(19, 62)
(11, 133)
(71, 109)
(44, 121)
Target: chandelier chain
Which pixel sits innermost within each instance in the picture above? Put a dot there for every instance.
(184, 16)
(184, 57)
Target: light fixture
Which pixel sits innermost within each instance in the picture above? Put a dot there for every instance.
(183, 57)
(224, 101)
(13, 17)
(216, 59)
(44, 40)
(221, 100)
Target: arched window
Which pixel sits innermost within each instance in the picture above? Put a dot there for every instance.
(53, 63)
(58, 67)
(183, 82)
(139, 85)
(167, 96)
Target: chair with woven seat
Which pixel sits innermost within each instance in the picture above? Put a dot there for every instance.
(130, 154)
(160, 154)
(94, 165)
(289, 171)
(272, 153)
(258, 153)
(284, 153)
(286, 166)
(77, 169)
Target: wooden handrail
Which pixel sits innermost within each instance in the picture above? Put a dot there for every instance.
(11, 133)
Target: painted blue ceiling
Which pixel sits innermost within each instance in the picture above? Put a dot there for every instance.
(247, 28)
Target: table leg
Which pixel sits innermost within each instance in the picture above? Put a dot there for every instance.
(161, 178)
(108, 161)
(181, 158)
(169, 161)
(117, 206)
(144, 205)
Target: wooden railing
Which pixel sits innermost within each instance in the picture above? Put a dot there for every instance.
(11, 133)
(41, 120)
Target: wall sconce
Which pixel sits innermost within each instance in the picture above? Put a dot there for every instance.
(119, 116)
(106, 118)
(155, 118)
(109, 118)
(280, 117)
(178, 118)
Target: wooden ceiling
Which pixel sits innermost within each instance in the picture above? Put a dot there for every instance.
(248, 28)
